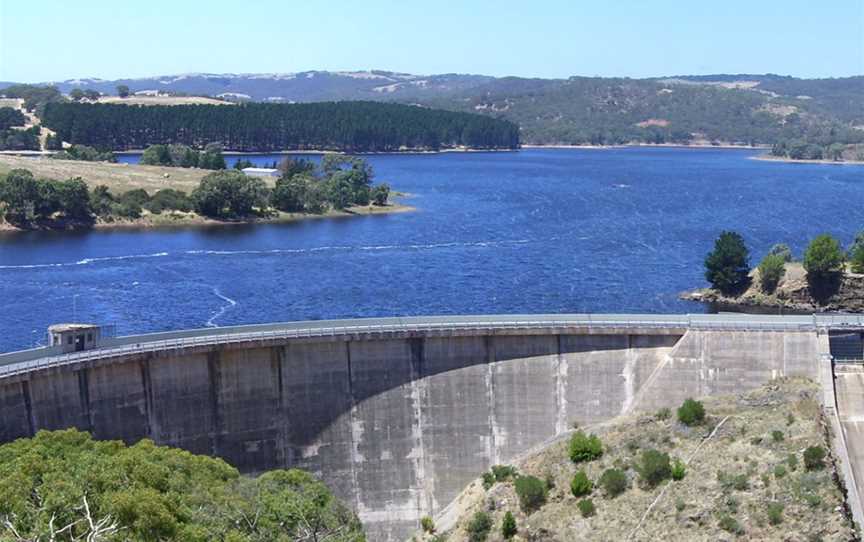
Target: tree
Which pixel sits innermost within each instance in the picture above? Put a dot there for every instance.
(823, 259)
(74, 199)
(123, 91)
(584, 447)
(856, 258)
(53, 143)
(92, 95)
(727, 266)
(63, 485)
(76, 94)
(508, 526)
(479, 526)
(156, 155)
(20, 192)
(691, 412)
(380, 194)
(771, 270)
(230, 194)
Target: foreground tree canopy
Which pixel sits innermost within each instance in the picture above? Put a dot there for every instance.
(65, 486)
(348, 126)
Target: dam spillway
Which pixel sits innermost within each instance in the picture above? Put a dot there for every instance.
(396, 415)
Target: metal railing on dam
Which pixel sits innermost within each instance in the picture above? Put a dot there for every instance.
(24, 361)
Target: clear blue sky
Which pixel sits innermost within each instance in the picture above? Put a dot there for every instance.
(53, 40)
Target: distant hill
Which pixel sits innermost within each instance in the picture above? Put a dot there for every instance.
(729, 108)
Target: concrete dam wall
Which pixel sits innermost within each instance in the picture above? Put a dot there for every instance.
(395, 421)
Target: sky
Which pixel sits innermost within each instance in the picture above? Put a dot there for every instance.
(53, 40)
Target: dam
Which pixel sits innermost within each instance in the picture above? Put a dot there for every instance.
(397, 415)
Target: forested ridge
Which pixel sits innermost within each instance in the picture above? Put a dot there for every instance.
(343, 126)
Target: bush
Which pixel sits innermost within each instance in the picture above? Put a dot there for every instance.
(779, 471)
(585, 447)
(727, 266)
(814, 457)
(613, 482)
(380, 194)
(169, 199)
(479, 526)
(775, 513)
(730, 524)
(503, 473)
(679, 470)
(782, 250)
(488, 480)
(792, 461)
(531, 492)
(771, 270)
(508, 526)
(653, 468)
(777, 435)
(691, 412)
(663, 414)
(586, 508)
(427, 524)
(227, 194)
(738, 482)
(581, 485)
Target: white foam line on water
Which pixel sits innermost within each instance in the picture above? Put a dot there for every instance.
(231, 303)
(85, 261)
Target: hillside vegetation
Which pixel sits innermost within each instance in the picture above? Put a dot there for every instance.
(748, 467)
(344, 126)
(65, 486)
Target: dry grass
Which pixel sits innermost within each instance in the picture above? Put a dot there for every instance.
(118, 177)
(162, 100)
(690, 509)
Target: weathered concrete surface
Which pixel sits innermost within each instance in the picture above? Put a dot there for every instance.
(849, 389)
(396, 425)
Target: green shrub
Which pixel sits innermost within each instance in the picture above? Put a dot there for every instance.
(613, 482)
(653, 468)
(479, 526)
(727, 266)
(585, 447)
(581, 485)
(502, 473)
(730, 524)
(691, 412)
(586, 508)
(823, 261)
(792, 461)
(679, 470)
(782, 250)
(664, 413)
(775, 513)
(508, 526)
(488, 480)
(680, 504)
(814, 457)
(771, 270)
(427, 524)
(790, 418)
(779, 471)
(531, 492)
(777, 435)
(738, 482)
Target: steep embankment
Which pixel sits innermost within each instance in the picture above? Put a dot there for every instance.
(745, 477)
(793, 293)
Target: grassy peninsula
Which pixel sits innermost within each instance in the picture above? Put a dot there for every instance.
(101, 194)
(754, 466)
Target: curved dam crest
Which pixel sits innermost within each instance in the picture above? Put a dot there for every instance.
(398, 419)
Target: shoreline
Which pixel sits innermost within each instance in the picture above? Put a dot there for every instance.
(783, 159)
(647, 145)
(191, 220)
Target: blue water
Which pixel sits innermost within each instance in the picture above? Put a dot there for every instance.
(619, 230)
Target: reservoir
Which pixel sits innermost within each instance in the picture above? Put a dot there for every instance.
(534, 231)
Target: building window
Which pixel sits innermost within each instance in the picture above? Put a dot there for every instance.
(89, 337)
(69, 339)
